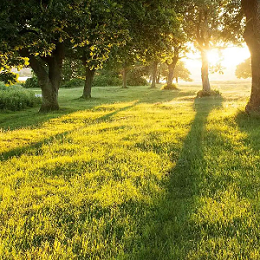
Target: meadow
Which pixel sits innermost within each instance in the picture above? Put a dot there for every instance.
(132, 174)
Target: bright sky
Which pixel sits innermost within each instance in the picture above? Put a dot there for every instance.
(230, 58)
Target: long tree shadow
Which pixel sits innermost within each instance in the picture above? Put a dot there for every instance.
(249, 181)
(19, 151)
(171, 233)
(249, 125)
(31, 118)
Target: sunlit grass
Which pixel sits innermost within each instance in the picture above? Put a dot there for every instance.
(131, 174)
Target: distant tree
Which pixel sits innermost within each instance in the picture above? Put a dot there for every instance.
(149, 23)
(211, 24)
(182, 72)
(243, 69)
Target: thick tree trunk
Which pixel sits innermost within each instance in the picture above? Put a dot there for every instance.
(49, 95)
(251, 9)
(205, 71)
(124, 76)
(49, 79)
(154, 74)
(89, 76)
(171, 68)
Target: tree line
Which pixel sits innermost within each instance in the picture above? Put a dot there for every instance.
(43, 33)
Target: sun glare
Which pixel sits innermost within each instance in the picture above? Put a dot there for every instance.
(228, 57)
(214, 56)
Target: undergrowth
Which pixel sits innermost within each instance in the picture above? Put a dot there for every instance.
(16, 98)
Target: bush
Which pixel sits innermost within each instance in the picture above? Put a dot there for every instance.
(73, 83)
(16, 98)
(137, 81)
(135, 77)
(169, 87)
(31, 83)
(106, 80)
(211, 93)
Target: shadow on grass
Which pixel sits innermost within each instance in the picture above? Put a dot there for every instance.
(104, 96)
(171, 234)
(19, 151)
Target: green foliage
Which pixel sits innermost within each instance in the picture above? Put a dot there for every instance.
(243, 70)
(169, 87)
(182, 72)
(31, 83)
(135, 77)
(16, 98)
(211, 93)
(8, 77)
(73, 83)
(72, 68)
(133, 80)
(107, 78)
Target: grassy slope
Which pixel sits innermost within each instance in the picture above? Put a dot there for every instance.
(131, 174)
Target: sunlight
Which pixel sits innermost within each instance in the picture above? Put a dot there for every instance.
(214, 57)
(235, 55)
(231, 56)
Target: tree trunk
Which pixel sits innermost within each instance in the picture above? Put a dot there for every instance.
(171, 68)
(177, 80)
(49, 95)
(89, 76)
(251, 9)
(158, 78)
(124, 75)
(154, 74)
(205, 71)
(50, 80)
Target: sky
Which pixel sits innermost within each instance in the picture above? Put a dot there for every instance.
(231, 57)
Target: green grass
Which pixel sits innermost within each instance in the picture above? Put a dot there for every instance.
(132, 174)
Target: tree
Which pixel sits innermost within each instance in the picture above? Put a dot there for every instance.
(149, 24)
(182, 72)
(243, 69)
(209, 25)
(44, 31)
(251, 9)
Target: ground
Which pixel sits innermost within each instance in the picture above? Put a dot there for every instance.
(132, 174)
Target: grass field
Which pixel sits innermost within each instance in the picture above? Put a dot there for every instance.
(132, 174)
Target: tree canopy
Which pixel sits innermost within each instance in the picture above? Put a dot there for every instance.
(243, 69)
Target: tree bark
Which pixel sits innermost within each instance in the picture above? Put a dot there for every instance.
(171, 68)
(89, 76)
(124, 76)
(251, 9)
(49, 78)
(154, 74)
(205, 71)
(158, 78)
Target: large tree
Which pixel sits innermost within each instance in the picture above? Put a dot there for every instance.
(251, 9)
(211, 24)
(43, 31)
